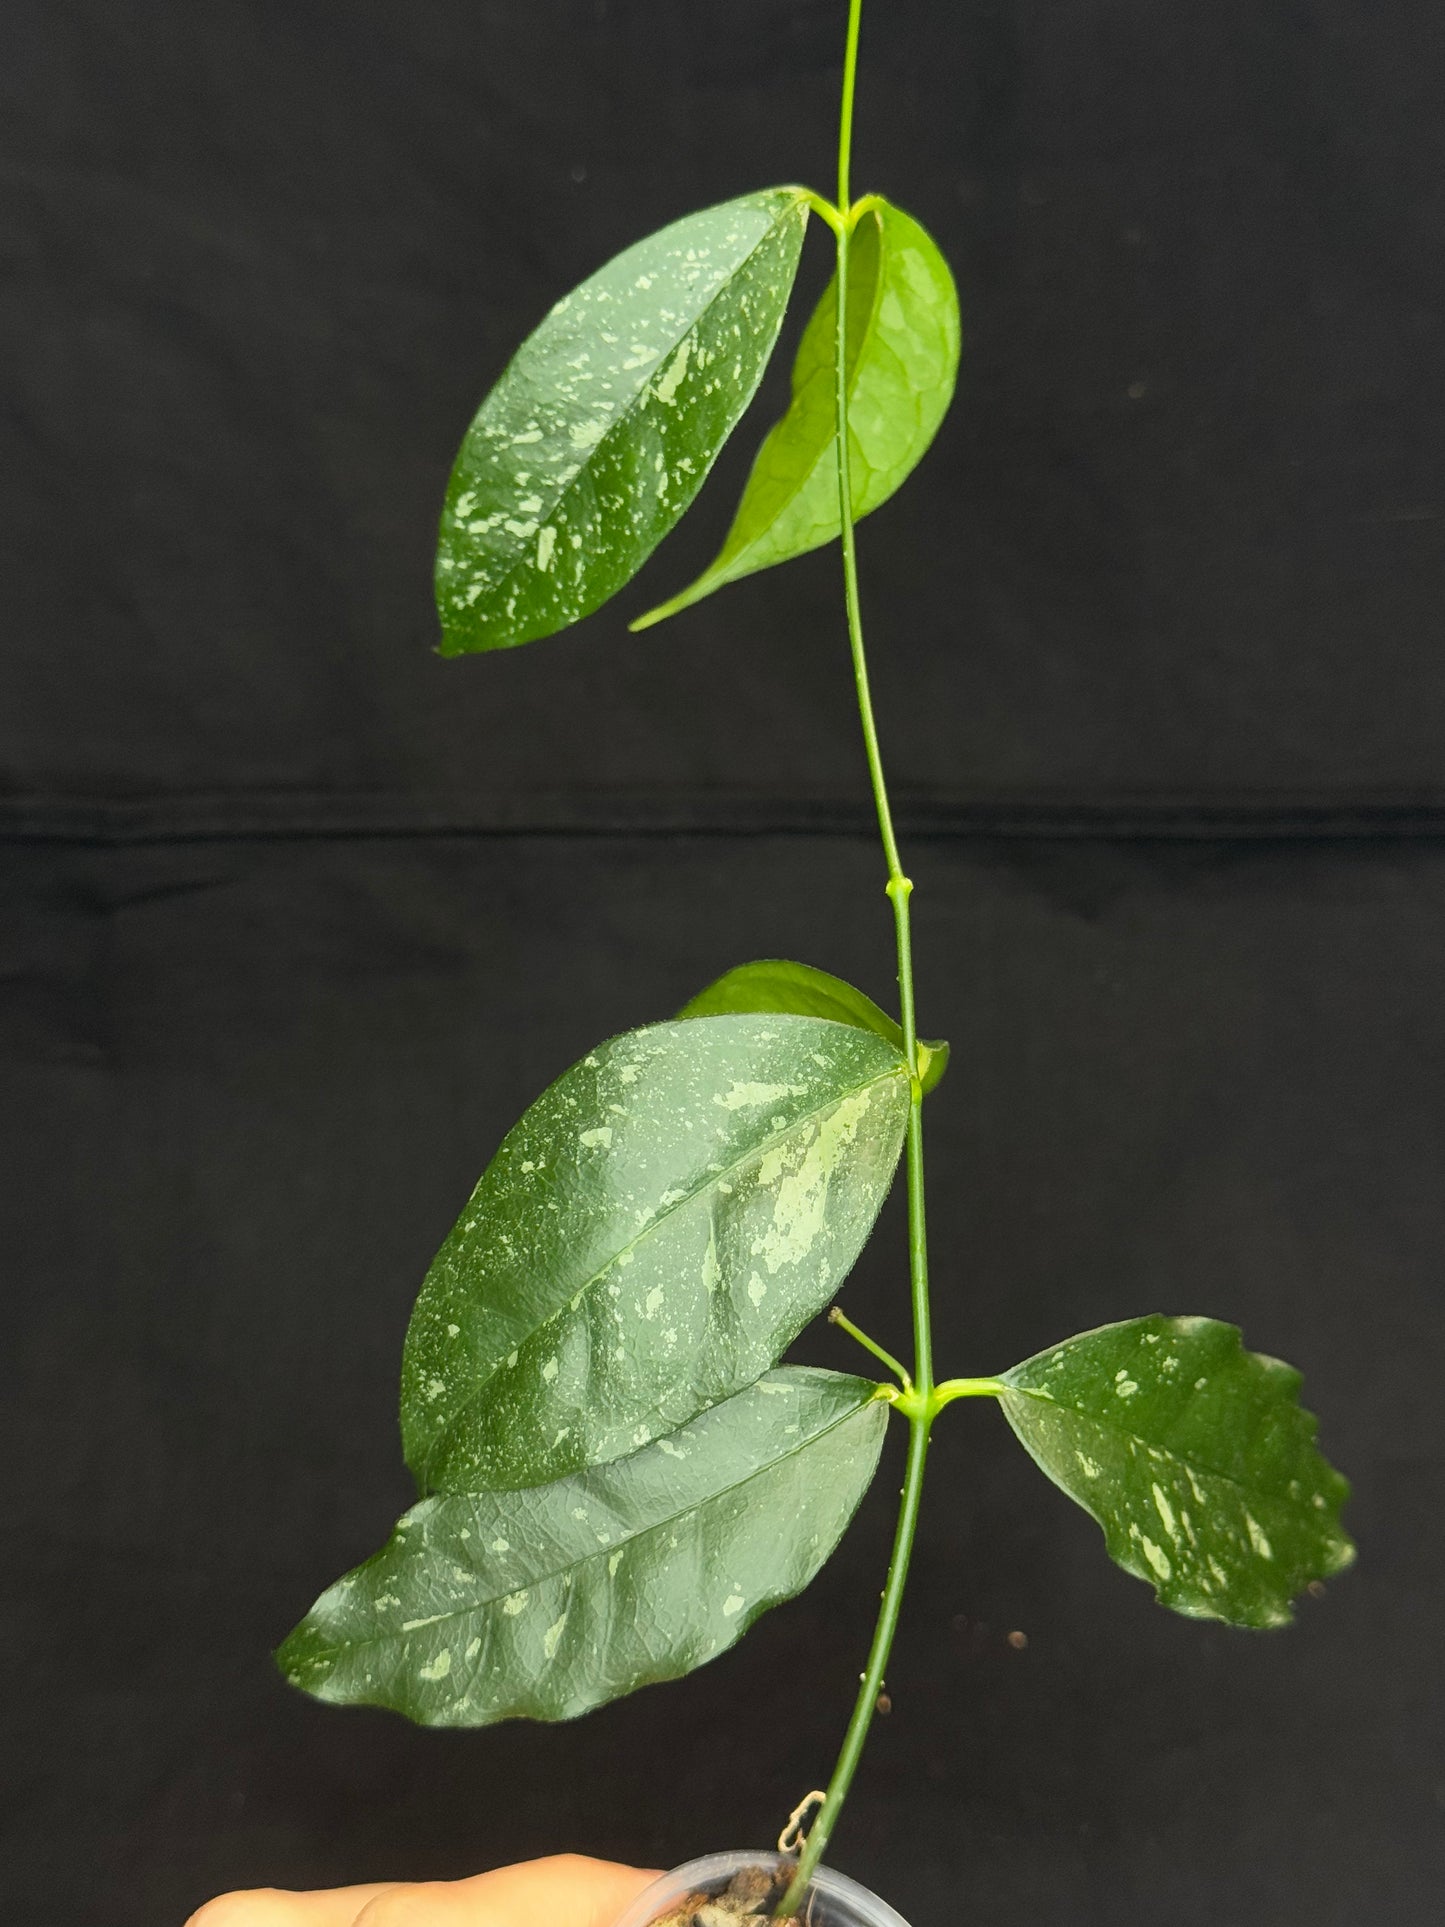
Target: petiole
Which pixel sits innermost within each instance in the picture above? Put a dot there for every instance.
(837, 1316)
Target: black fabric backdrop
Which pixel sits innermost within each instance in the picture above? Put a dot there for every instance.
(297, 918)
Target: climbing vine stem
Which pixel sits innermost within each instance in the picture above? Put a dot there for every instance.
(900, 890)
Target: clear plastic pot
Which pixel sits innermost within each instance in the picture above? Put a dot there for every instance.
(836, 1901)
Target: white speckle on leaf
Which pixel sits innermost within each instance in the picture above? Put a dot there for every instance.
(1257, 1538)
(667, 382)
(801, 1195)
(546, 542)
(434, 1390)
(501, 1545)
(1089, 1467)
(757, 1290)
(439, 1667)
(549, 1370)
(653, 1302)
(552, 1635)
(612, 1564)
(454, 1331)
(1165, 1510)
(745, 1096)
(474, 1646)
(598, 1139)
(415, 1625)
(1156, 1556)
(514, 1603)
(733, 1605)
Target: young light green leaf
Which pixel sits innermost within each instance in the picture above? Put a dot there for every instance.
(544, 1603)
(605, 424)
(774, 984)
(903, 343)
(649, 1238)
(1194, 1456)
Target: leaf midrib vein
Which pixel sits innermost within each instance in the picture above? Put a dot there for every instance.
(656, 1525)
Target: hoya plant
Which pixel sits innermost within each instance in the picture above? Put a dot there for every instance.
(616, 1475)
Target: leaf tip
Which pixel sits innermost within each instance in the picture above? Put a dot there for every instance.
(650, 620)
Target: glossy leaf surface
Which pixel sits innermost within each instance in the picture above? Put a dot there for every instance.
(602, 429)
(649, 1238)
(774, 984)
(903, 345)
(1194, 1456)
(546, 1602)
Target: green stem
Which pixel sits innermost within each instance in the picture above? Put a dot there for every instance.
(837, 1316)
(899, 890)
(953, 1388)
(845, 110)
(867, 1702)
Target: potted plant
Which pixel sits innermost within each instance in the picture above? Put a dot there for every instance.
(616, 1476)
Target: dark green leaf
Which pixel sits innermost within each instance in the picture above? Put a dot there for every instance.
(776, 985)
(546, 1602)
(601, 431)
(649, 1238)
(903, 341)
(1194, 1456)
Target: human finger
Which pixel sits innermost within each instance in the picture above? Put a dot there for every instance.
(279, 1907)
(565, 1890)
